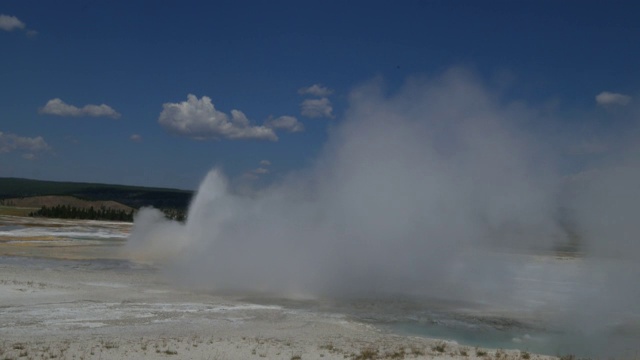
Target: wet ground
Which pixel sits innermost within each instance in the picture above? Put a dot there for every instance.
(67, 278)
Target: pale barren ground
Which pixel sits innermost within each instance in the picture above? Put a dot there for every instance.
(110, 309)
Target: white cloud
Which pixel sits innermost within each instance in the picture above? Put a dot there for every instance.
(289, 123)
(10, 23)
(199, 119)
(29, 156)
(135, 137)
(315, 90)
(32, 33)
(609, 98)
(255, 173)
(60, 108)
(315, 108)
(12, 142)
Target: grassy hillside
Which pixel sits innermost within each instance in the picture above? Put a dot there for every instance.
(16, 211)
(132, 196)
(54, 200)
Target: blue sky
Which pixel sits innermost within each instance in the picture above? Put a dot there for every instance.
(288, 67)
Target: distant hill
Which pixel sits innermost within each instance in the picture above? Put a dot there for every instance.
(131, 196)
(56, 200)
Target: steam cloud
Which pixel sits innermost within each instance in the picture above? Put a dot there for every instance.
(422, 193)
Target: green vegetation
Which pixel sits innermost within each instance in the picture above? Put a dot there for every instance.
(439, 347)
(416, 351)
(397, 354)
(133, 196)
(15, 211)
(73, 200)
(72, 212)
(365, 354)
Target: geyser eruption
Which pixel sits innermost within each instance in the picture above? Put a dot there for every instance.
(439, 191)
(403, 190)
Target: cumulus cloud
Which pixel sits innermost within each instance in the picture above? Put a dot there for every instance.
(135, 137)
(12, 142)
(255, 173)
(10, 23)
(315, 90)
(317, 108)
(288, 123)
(199, 119)
(609, 98)
(60, 108)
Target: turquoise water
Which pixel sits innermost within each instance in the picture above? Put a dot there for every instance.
(584, 344)
(473, 335)
(435, 320)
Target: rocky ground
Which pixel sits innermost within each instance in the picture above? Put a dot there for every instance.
(61, 299)
(87, 310)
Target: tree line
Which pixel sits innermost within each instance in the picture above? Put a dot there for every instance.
(72, 212)
(102, 213)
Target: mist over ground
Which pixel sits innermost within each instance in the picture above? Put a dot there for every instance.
(443, 189)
